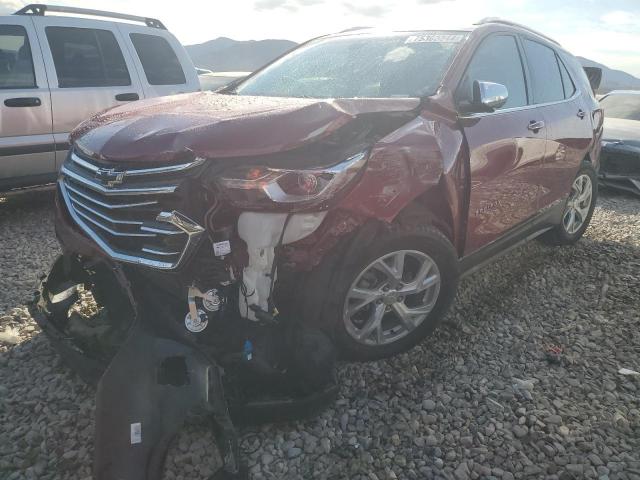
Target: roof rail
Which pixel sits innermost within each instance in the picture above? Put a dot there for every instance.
(515, 24)
(40, 9)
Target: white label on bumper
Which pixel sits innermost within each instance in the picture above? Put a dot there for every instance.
(136, 433)
(221, 248)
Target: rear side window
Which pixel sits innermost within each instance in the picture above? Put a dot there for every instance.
(16, 64)
(545, 72)
(160, 63)
(579, 75)
(496, 60)
(86, 57)
(567, 82)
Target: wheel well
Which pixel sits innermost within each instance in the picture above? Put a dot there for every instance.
(418, 213)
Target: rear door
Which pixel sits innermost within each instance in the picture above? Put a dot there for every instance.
(506, 146)
(164, 66)
(89, 71)
(568, 123)
(27, 150)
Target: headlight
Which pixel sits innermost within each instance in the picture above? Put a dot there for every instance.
(257, 187)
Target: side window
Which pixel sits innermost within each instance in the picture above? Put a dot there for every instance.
(496, 60)
(16, 64)
(86, 57)
(545, 72)
(160, 63)
(567, 82)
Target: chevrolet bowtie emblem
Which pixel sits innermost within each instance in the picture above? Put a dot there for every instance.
(110, 177)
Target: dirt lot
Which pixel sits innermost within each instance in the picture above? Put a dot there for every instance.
(480, 399)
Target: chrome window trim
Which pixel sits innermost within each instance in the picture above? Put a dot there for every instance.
(525, 107)
(192, 229)
(518, 36)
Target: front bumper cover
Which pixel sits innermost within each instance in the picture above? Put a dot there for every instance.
(145, 392)
(155, 380)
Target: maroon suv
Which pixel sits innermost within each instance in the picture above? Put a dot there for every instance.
(340, 191)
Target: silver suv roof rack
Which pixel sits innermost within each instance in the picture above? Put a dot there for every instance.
(40, 9)
(515, 24)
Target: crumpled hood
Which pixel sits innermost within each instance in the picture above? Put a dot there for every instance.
(627, 131)
(211, 125)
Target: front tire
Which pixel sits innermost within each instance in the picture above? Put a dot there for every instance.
(578, 209)
(392, 294)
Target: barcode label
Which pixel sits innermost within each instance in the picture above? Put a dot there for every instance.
(136, 433)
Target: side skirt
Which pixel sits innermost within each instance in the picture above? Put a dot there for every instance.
(517, 236)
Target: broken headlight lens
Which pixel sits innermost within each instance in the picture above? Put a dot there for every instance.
(263, 186)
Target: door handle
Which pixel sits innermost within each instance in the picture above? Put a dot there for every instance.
(127, 97)
(535, 127)
(581, 114)
(23, 102)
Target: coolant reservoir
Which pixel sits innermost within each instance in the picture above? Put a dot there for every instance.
(261, 232)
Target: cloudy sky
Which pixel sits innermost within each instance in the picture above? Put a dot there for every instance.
(604, 31)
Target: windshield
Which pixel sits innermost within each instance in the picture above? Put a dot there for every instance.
(399, 65)
(621, 105)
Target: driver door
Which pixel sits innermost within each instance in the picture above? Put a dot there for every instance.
(506, 146)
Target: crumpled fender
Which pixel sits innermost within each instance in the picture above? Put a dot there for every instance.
(405, 164)
(420, 165)
(139, 410)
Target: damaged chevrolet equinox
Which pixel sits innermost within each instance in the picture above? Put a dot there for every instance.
(220, 250)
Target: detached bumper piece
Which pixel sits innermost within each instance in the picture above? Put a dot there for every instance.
(620, 167)
(150, 380)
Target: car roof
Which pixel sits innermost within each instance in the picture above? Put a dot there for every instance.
(490, 23)
(41, 10)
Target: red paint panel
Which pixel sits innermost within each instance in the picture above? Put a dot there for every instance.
(569, 140)
(214, 126)
(505, 167)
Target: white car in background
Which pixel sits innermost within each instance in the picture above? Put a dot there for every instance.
(56, 71)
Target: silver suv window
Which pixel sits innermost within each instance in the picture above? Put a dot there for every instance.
(16, 64)
(159, 61)
(87, 57)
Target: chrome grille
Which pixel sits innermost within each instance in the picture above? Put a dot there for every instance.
(130, 213)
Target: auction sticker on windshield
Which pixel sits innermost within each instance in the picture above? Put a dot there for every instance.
(435, 38)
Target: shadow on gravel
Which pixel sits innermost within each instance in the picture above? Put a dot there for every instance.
(26, 199)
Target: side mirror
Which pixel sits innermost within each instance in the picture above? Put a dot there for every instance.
(489, 96)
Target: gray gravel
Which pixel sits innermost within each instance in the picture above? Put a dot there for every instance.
(480, 399)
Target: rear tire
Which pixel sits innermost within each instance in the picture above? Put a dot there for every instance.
(415, 291)
(578, 209)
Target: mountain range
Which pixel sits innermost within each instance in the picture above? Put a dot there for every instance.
(225, 55)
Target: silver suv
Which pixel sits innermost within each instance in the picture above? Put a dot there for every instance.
(56, 71)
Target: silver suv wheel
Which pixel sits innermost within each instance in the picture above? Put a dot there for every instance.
(391, 297)
(578, 205)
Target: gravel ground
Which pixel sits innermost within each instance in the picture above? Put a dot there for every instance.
(480, 399)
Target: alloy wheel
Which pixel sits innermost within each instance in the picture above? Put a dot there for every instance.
(391, 297)
(578, 205)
